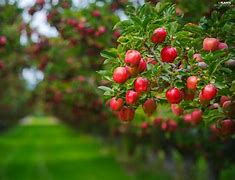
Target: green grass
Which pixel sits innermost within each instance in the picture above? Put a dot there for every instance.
(48, 152)
(44, 150)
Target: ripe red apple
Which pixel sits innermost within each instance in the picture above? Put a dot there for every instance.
(176, 109)
(187, 118)
(223, 99)
(81, 26)
(198, 57)
(157, 121)
(196, 116)
(209, 92)
(142, 66)
(102, 29)
(192, 82)
(149, 106)
(89, 31)
(132, 57)
(96, 13)
(168, 54)
(81, 79)
(164, 126)
(227, 127)
(120, 75)
(159, 35)
(173, 95)
(171, 125)
(116, 104)
(227, 108)
(144, 125)
(3, 41)
(210, 44)
(141, 84)
(72, 22)
(116, 34)
(222, 46)
(202, 99)
(126, 114)
(131, 97)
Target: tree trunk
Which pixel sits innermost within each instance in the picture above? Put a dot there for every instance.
(169, 162)
(189, 164)
(213, 170)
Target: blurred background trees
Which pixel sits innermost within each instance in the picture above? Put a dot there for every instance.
(68, 63)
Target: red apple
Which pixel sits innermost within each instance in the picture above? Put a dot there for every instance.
(176, 109)
(126, 114)
(159, 35)
(144, 125)
(227, 127)
(209, 92)
(192, 82)
(196, 116)
(173, 95)
(223, 99)
(120, 75)
(164, 126)
(187, 118)
(131, 97)
(102, 29)
(227, 107)
(142, 66)
(116, 34)
(222, 46)
(3, 41)
(202, 99)
(141, 84)
(210, 44)
(157, 121)
(168, 54)
(132, 57)
(149, 106)
(171, 125)
(116, 104)
(96, 13)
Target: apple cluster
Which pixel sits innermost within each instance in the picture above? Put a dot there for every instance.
(187, 87)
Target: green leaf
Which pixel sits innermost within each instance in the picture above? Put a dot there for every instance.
(105, 88)
(193, 28)
(102, 72)
(109, 53)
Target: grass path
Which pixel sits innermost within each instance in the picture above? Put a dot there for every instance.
(53, 152)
